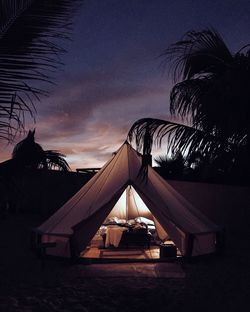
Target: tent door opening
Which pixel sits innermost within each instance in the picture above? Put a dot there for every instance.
(129, 231)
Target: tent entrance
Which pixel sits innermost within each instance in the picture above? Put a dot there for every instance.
(130, 231)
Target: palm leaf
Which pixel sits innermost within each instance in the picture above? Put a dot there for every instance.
(213, 92)
(212, 96)
(55, 160)
(162, 161)
(197, 53)
(29, 53)
(180, 138)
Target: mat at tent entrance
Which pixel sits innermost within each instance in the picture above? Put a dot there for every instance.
(148, 270)
(121, 253)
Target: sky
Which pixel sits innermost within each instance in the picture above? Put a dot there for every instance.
(113, 73)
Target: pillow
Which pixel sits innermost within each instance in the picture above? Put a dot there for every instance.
(131, 222)
(144, 220)
(111, 220)
(114, 220)
(121, 221)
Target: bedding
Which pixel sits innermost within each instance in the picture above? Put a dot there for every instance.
(131, 224)
(114, 235)
(114, 221)
(117, 231)
(144, 220)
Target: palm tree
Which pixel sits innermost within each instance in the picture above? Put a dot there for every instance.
(211, 98)
(171, 167)
(26, 157)
(30, 31)
(29, 154)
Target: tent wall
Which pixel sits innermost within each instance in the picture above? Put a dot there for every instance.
(85, 230)
(178, 220)
(172, 230)
(226, 205)
(135, 205)
(203, 244)
(62, 248)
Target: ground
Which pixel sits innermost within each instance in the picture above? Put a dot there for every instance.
(219, 283)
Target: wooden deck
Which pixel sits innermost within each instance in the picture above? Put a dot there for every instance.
(96, 250)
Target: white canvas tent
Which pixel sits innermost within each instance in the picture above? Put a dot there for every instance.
(77, 221)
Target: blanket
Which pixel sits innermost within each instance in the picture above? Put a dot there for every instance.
(114, 235)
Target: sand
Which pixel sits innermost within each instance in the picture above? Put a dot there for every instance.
(219, 283)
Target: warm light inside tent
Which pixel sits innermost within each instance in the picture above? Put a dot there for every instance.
(130, 205)
(134, 196)
(120, 208)
(129, 209)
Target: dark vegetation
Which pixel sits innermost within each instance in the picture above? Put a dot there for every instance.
(31, 33)
(29, 154)
(211, 97)
(37, 180)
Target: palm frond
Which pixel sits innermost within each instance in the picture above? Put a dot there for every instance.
(55, 160)
(212, 96)
(179, 137)
(214, 85)
(198, 52)
(10, 10)
(162, 161)
(29, 53)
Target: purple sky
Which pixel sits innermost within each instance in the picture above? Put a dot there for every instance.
(112, 74)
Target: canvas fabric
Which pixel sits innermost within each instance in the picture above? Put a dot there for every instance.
(77, 221)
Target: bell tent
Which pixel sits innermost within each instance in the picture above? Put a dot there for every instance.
(119, 190)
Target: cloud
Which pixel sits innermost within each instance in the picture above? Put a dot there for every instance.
(88, 118)
(88, 135)
(73, 103)
(107, 129)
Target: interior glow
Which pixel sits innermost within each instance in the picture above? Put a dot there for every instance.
(130, 205)
(120, 209)
(142, 208)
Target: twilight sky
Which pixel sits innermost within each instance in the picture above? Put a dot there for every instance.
(112, 74)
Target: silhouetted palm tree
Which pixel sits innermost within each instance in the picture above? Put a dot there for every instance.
(171, 167)
(30, 154)
(27, 156)
(29, 52)
(212, 98)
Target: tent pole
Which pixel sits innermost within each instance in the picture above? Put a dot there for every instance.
(127, 201)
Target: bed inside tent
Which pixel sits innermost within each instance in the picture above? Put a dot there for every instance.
(130, 231)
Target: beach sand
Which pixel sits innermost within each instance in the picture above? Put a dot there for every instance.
(218, 283)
